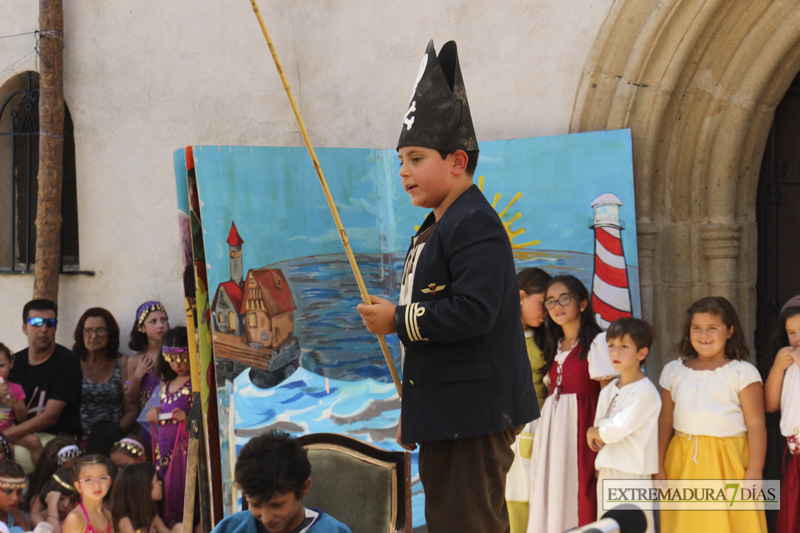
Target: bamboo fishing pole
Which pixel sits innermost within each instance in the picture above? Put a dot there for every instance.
(342, 235)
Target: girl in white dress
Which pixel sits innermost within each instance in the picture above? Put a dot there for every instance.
(577, 366)
(532, 284)
(782, 391)
(712, 416)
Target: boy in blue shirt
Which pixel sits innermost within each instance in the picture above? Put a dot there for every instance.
(467, 387)
(273, 473)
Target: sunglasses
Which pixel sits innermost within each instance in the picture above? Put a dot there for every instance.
(37, 322)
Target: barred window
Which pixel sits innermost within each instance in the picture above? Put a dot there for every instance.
(19, 168)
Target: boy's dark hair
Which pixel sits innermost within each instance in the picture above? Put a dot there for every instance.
(534, 281)
(637, 329)
(174, 338)
(472, 160)
(39, 304)
(588, 328)
(735, 346)
(112, 328)
(66, 475)
(272, 463)
(131, 496)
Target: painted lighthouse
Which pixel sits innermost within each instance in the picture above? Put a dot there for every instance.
(611, 295)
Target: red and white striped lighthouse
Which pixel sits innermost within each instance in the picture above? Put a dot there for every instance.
(611, 295)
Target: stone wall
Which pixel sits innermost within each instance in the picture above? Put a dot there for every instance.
(697, 82)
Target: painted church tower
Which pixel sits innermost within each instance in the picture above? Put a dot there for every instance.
(235, 254)
(611, 295)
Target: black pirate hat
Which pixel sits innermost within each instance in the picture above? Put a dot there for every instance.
(438, 116)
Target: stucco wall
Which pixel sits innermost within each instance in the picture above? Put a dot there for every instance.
(145, 78)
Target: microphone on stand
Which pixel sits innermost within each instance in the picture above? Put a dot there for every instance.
(625, 518)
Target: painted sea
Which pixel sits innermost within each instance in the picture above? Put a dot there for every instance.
(343, 385)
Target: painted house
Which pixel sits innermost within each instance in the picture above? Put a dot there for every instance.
(269, 309)
(226, 308)
(254, 316)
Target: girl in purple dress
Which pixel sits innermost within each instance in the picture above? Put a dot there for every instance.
(148, 329)
(168, 421)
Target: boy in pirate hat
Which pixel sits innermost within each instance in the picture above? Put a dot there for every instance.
(467, 387)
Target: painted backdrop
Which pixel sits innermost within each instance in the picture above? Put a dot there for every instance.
(290, 350)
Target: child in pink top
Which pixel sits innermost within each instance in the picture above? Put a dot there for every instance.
(12, 405)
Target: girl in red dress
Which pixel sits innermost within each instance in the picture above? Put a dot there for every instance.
(577, 366)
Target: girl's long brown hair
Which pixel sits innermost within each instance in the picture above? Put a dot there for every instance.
(67, 475)
(46, 466)
(735, 346)
(131, 496)
(534, 281)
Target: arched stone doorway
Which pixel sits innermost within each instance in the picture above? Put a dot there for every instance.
(697, 82)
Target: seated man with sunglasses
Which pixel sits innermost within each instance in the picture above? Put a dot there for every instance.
(50, 375)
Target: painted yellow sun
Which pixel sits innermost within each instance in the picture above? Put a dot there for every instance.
(506, 223)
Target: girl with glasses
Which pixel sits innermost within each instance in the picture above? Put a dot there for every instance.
(93, 473)
(577, 366)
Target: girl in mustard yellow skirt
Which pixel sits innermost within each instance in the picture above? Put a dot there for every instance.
(712, 416)
(532, 285)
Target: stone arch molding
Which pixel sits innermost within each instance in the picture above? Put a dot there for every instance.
(697, 82)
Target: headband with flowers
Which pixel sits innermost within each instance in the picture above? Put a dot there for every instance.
(147, 308)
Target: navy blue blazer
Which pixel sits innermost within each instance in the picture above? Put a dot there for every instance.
(466, 371)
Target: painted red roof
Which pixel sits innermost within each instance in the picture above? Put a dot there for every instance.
(233, 237)
(234, 292)
(275, 291)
